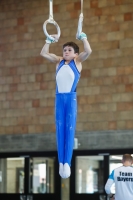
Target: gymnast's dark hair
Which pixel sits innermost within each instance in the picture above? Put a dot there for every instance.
(73, 45)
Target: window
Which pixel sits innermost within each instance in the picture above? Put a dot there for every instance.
(89, 174)
(43, 175)
(12, 175)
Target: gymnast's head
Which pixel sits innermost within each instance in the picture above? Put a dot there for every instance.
(70, 51)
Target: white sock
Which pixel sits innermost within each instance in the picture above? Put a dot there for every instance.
(66, 171)
(61, 169)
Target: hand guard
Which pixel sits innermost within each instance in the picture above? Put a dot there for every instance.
(81, 36)
(49, 41)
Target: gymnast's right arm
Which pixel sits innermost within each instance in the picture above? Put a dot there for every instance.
(45, 51)
(49, 56)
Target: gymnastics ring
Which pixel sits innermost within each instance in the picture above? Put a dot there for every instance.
(51, 21)
(80, 22)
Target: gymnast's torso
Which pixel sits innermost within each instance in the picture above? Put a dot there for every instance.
(67, 77)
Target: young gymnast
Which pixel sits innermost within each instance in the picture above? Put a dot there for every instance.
(68, 69)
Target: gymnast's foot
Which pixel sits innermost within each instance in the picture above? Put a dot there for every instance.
(66, 171)
(61, 169)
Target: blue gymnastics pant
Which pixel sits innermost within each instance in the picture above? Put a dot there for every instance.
(65, 117)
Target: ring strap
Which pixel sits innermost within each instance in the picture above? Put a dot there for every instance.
(80, 22)
(51, 9)
(81, 6)
(51, 20)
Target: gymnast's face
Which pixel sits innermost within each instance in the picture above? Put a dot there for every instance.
(68, 53)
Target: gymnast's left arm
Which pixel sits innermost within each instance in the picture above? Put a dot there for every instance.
(87, 49)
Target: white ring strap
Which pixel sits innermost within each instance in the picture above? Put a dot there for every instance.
(80, 22)
(51, 21)
(81, 6)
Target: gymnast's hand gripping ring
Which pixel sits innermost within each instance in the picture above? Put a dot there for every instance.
(51, 21)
